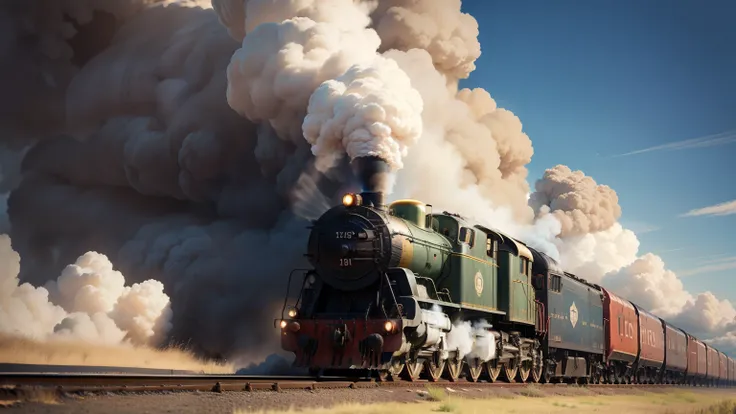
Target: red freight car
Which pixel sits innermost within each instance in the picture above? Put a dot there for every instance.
(696, 362)
(692, 359)
(651, 346)
(675, 355)
(702, 361)
(622, 336)
(723, 371)
(712, 364)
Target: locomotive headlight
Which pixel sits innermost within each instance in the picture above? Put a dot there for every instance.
(283, 324)
(350, 199)
(388, 326)
(292, 312)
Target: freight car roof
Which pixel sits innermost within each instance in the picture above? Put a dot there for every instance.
(546, 263)
(615, 298)
(644, 311)
(583, 281)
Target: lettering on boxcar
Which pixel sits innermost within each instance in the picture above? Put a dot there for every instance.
(573, 315)
(649, 337)
(478, 283)
(628, 329)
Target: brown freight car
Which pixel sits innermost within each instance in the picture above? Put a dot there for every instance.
(696, 363)
(622, 337)
(711, 374)
(723, 368)
(675, 356)
(651, 347)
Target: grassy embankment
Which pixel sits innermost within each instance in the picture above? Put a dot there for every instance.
(19, 350)
(535, 399)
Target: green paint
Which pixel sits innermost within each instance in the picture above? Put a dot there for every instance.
(455, 260)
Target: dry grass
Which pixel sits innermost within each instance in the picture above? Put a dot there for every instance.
(532, 391)
(529, 399)
(723, 407)
(11, 397)
(26, 351)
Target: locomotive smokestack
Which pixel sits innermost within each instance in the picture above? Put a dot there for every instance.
(373, 174)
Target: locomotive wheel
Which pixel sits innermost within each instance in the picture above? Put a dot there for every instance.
(413, 370)
(524, 370)
(546, 375)
(392, 373)
(475, 368)
(434, 370)
(509, 371)
(454, 368)
(493, 370)
(537, 373)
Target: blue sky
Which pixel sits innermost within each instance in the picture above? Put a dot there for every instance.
(594, 79)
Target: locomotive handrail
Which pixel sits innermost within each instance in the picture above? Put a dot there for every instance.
(393, 295)
(288, 288)
(436, 292)
(418, 241)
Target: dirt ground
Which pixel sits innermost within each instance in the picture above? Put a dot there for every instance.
(384, 400)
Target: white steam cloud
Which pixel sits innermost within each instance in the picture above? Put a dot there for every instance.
(321, 57)
(472, 340)
(371, 110)
(88, 302)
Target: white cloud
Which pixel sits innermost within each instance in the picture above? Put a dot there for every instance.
(718, 266)
(722, 209)
(707, 141)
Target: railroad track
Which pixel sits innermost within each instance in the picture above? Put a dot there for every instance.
(15, 383)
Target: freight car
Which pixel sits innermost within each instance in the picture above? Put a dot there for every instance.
(711, 375)
(676, 355)
(722, 368)
(399, 291)
(697, 367)
(651, 347)
(622, 338)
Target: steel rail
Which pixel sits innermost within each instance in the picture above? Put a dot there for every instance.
(75, 383)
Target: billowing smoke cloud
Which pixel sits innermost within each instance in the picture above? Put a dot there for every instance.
(170, 183)
(281, 63)
(440, 28)
(318, 59)
(89, 302)
(580, 204)
(467, 144)
(371, 110)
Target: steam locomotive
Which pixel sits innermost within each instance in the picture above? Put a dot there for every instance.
(401, 292)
